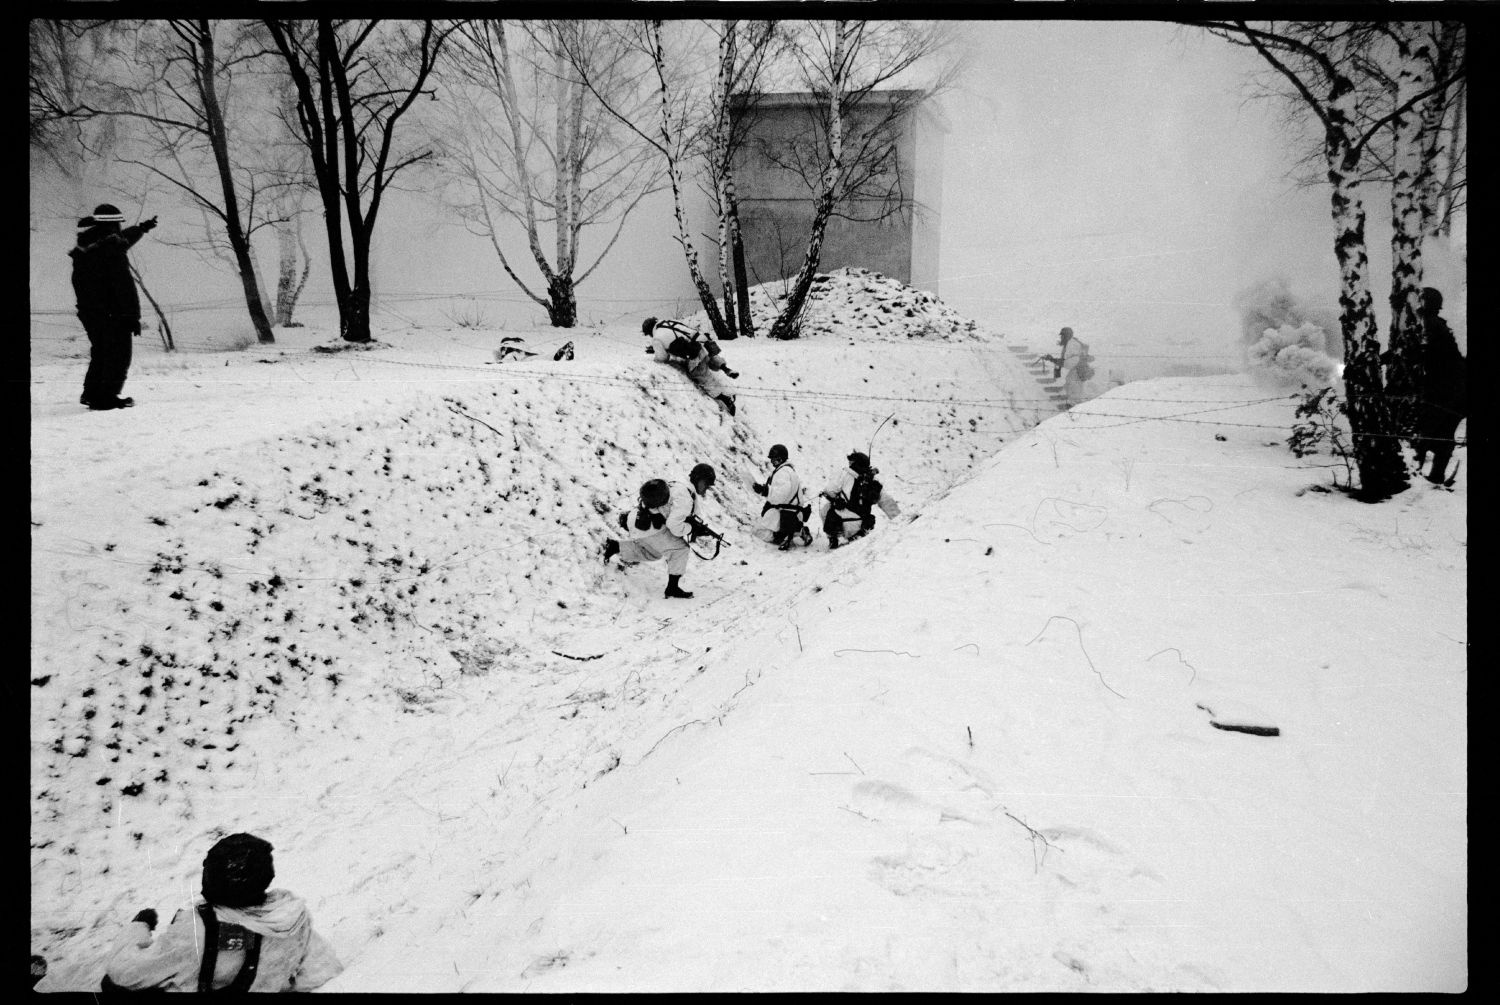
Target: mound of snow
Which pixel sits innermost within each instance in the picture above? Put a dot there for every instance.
(858, 302)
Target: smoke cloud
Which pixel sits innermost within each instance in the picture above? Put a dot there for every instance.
(1288, 343)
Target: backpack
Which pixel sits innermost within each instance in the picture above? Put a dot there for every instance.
(865, 493)
(1084, 370)
(684, 347)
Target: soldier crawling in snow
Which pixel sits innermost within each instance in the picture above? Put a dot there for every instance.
(783, 516)
(695, 354)
(848, 502)
(665, 521)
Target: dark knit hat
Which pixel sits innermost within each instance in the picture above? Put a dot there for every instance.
(106, 213)
(859, 462)
(777, 453)
(703, 473)
(647, 325)
(85, 223)
(1065, 334)
(1432, 299)
(237, 871)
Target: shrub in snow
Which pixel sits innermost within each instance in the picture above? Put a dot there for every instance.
(1292, 357)
(467, 313)
(1321, 422)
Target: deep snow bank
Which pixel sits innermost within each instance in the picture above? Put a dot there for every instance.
(221, 612)
(858, 302)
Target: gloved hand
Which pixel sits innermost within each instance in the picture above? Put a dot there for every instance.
(760, 488)
(148, 916)
(147, 225)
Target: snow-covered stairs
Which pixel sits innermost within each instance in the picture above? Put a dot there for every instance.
(1042, 371)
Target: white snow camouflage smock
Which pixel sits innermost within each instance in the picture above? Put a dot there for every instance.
(293, 957)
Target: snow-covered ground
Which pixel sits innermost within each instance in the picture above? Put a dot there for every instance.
(352, 602)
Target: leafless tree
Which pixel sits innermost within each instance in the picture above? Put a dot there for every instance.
(355, 81)
(1415, 149)
(851, 68)
(66, 59)
(1323, 62)
(531, 147)
(183, 84)
(841, 62)
(745, 50)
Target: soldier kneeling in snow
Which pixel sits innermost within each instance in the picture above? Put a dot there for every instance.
(664, 522)
(695, 354)
(783, 517)
(847, 504)
(239, 937)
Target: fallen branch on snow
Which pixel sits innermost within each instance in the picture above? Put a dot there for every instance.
(581, 659)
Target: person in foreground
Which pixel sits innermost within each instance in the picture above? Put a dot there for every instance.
(240, 937)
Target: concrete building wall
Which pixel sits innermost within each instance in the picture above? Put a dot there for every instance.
(776, 201)
(927, 201)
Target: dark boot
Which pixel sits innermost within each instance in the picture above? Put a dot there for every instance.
(611, 549)
(833, 541)
(728, 402)
(673, 590)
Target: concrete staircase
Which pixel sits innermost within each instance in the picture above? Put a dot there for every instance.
(1042, 371)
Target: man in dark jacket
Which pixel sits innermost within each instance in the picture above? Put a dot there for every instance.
(107, 302)
(1444, 395)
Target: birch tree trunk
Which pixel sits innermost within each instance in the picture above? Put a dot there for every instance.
(1403, 358)
(746, 324)
(290, 251)
(786, 323)
(723, 173)
(674, 179)
(1382, 472)
(1437, 189)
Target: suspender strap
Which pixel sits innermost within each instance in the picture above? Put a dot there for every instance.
(795, 506)
(246, 976)
(210, 947)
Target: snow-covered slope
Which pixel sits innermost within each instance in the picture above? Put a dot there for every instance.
(352, 602)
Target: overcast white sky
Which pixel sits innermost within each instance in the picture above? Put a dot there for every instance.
(1104, 174)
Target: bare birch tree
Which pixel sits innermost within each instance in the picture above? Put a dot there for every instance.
(845, 64)
(745, 49)
(531, 148)
(1321, 61)
(355, 81)
(841, 62)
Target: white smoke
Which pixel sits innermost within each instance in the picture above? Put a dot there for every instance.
(1288, 343)
(1292, 357)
